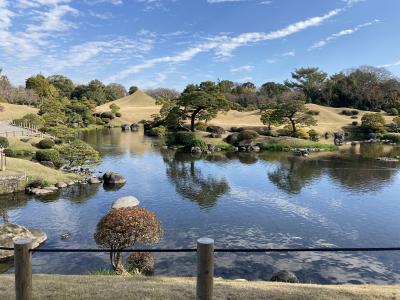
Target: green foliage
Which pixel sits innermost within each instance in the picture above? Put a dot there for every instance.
(202, 102)
(133, 89)
(46, 144)
(288, 146)
(201, 126)
(247, 135)
(43, 88)
(181, 138)
(49, 155)
(158, 131)
(302, 134)
(273, 90)
(61, 132)
(114, 107)
(64, 85)
(196, 143)
(373, 123)
(4, 142)
(114, 91)
(314, 135)
(18, 152)
(32, 119)
(79, 153)
(393, 111)
(3, 100)
(108, 115)
(313, 112)
(270, 118)
(118, 114)
(394, 138)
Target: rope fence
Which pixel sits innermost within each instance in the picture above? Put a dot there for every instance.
(205, 261)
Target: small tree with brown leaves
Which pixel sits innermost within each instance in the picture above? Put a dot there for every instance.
(122, 228)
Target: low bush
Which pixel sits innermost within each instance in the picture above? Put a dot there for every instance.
(18, 152)
(355, 112)
(158, 131)
(354, 117)
(354, 123)
(118, 114)
(216, 129)
(105, 120)
(313, 112)
(49, 155)
(196, 143)
(201, 126)
(395, 138)
(4, 142)
(108, 115)
(181, 138)
(99, 121)
(235, 129)
(302, 134)
(392, 111)
(46, 144)
(314, 135)
(36, 183)
(247, 135)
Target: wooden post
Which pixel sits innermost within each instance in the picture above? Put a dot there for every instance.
(3, 161)
(23, 269)
(205, 268)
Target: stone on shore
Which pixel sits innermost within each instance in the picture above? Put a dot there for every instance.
(94, 180)
(113, 178)
(61, 185)
(124, 202)
(12, 232)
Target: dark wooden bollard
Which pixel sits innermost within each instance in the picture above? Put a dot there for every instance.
(205, 268)
(23, 269)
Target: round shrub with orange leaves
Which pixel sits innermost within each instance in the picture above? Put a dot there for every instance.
(123, 227)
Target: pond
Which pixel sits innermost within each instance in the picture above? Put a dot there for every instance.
(240, 200)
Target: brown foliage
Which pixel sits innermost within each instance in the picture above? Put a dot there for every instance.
(142, 262)
(123, 227)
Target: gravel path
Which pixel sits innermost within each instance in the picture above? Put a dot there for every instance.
(6, 127)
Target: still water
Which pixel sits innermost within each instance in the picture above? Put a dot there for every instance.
(244, 200)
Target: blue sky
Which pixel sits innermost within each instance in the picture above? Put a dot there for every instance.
(171, 43)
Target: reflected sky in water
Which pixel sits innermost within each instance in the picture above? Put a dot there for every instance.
(240, 200)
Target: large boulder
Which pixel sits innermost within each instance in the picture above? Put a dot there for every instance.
(135, 127)
(285, 276)
(12, 232)
(113, 178)
(94, 180)
(124, 202)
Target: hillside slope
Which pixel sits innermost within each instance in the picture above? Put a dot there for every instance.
(135, 107)
(13, 111)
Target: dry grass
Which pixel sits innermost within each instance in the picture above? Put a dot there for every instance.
(137, 287)
(134, 108)
(38, 171)
(13, 111)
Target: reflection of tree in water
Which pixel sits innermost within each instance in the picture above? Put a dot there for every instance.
(10, 202)
(191, 183)
(80, 193)
(292, 175)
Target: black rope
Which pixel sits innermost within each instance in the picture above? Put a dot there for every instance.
(217, 250)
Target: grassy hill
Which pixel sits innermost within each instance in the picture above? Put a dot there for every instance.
(140, 287)
(13, 111)
(134, 108)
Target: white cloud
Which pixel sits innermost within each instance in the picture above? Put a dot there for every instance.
(225, 45)
(270, 61)
(341, 33)
(265, 2)
(290, 53)
(245, 79)
(395, 64)
(246, 68)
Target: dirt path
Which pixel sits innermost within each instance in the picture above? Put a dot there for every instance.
(7, 130)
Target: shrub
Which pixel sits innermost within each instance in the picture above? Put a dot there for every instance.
(107, 115)
(106, 120)
(302, 134)
(354, 123)
(355, 112)
(236, 129)
(247, 135)
(216, 129)
(18, 153)
(4, 142)
(313, 112)
(395, 138)
(201, 126)
(159, 131)
(314, 135)
(62, 132)
(354, 117)
(232, 138)
(49, 155)
(327, 135)
(118, 114)
(141, 262)
(114, 108)
(99, 121)
(36, 183)
(393, 111)
(79, 153)
(346, 112)
(181, 138)
(373, 122)
(46, 144)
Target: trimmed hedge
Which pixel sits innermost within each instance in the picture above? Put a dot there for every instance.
(18, 153)
(46, 144)
(4, 142)
(49, 155)
(247, 135)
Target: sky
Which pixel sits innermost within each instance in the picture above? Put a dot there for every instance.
(171, 43)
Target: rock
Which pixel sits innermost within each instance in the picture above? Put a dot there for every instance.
(123, 202)
(111, 178)
(70, 183)
(51, 188)
(61, 185)
(196, 150)
(285, 276)
(48, 164)
(211, 147)
(254, 149)
(41, 191)
(126, 127)
(339, 138)
(65, 236)
(216, 130)
(12, 232)
(135, 127)
(388, 159)
(94, 180)
(165, 147)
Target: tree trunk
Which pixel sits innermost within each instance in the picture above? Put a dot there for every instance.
(119, 266)
(193, 119)
(294, 129)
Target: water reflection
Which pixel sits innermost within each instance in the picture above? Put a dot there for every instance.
(191, 183)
